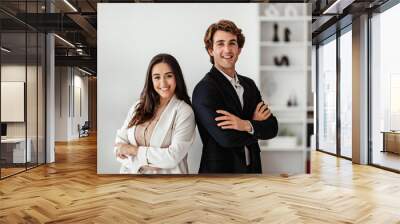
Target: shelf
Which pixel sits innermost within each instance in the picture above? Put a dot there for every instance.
(285, 44)
(287, 151)
(285, 19)
(287, 109)
(284, 69)
(283, 149)
(291, 121)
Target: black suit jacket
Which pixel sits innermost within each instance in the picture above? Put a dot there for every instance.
(223, 150)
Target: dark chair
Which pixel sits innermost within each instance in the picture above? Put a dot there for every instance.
(84, 130)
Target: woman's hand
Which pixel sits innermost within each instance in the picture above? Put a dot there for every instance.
(262, 112)
(125, 150)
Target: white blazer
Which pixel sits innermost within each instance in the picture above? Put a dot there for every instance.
(170, 141)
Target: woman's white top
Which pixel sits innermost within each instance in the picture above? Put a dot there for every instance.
(170, 142)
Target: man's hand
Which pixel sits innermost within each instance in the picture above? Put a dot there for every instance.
(262, 112)
(230, 121)
(125, 150)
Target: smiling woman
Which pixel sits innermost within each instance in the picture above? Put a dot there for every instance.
(164, 82)
(160, 128)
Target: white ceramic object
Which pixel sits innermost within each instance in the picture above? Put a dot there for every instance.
(282, 142)
(271, 11)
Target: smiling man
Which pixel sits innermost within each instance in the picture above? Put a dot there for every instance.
(230, 113)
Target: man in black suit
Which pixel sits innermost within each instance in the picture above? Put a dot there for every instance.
(230, 113)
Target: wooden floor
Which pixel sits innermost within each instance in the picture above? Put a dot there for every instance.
(5, 172)
(10, 171)
(70, 191)
(387, 159)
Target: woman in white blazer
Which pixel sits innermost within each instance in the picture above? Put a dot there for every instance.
(160, 128)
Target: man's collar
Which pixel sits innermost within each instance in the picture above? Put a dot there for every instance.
(235, 78)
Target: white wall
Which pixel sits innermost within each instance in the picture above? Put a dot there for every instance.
(17, 73)
(129, 35)
(80, 83)
(33, 126)
(66, 121)
(13, 93)
(61, 103)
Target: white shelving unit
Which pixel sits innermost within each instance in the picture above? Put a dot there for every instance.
(286, 109)
(284, 69)
(283, 149)
(285, 87)
(284, 18)
(284, 44)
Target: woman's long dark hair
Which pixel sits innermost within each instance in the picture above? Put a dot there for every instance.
(149, 98)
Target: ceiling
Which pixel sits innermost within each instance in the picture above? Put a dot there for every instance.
(76, 22)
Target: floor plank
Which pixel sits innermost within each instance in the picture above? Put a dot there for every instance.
(70, 191)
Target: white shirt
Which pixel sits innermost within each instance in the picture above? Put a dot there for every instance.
(239, 91)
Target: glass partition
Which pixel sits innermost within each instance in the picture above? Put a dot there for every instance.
(346, 93)
(13, 95)
(22, 77)
(327, 96)
(385, 89)
(32, 94)
(41, 91)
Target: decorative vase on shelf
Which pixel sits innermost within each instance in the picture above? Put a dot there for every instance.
(287, 35)
(289, 102)
(270, 10)
(292, 101)
(275, 38)
(283, 61)
(290, 11)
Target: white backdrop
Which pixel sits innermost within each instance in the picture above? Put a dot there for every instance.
(129, 35)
